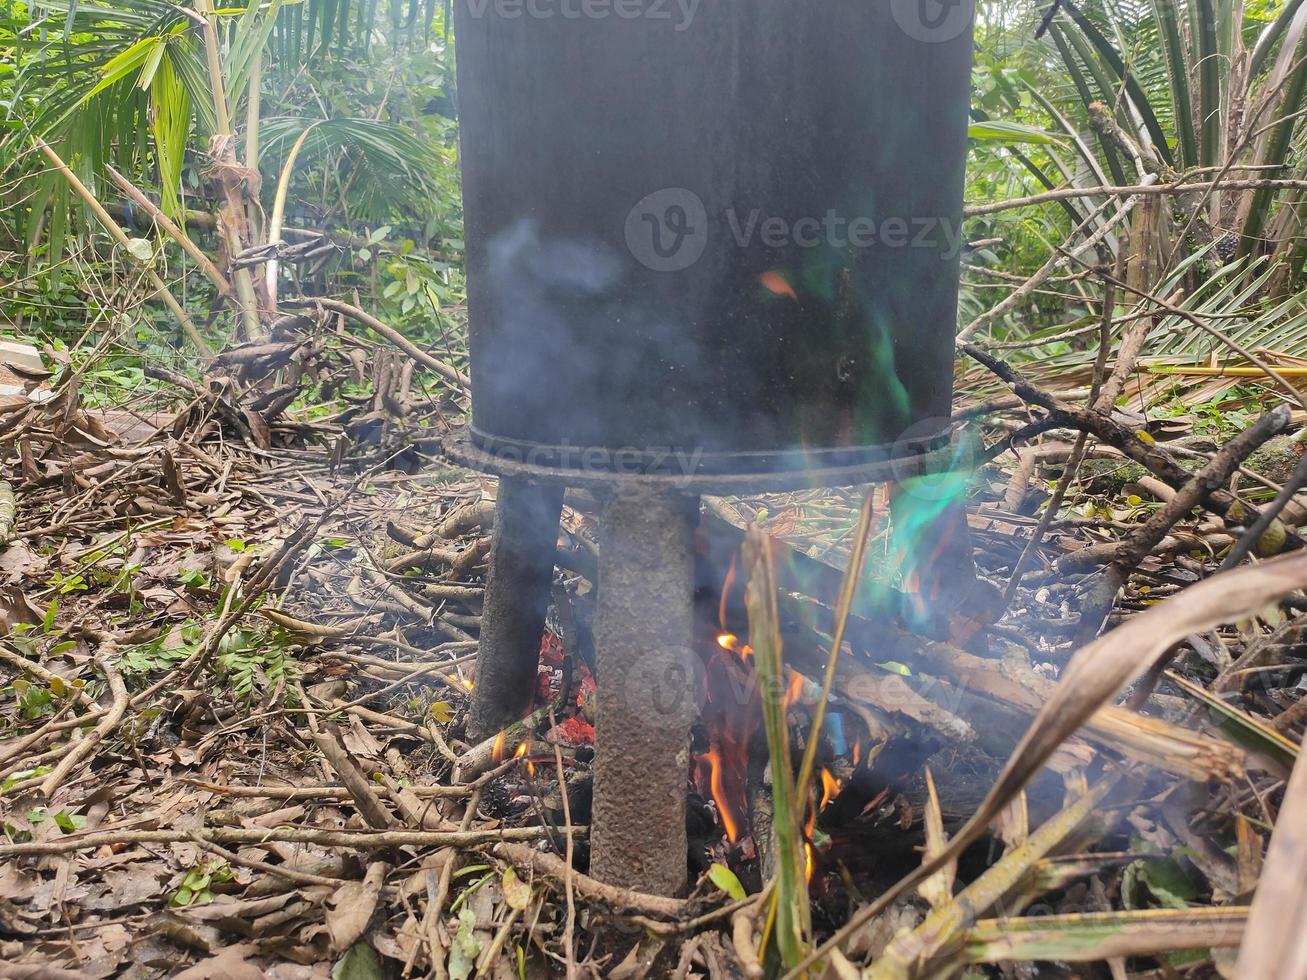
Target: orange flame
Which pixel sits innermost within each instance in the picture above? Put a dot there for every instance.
(776, 283)
(719, 795)
(729, 641)
(809, 824)
(830, 787)
(794, 690)
(727, 584)
(497, 749)
(520, 753)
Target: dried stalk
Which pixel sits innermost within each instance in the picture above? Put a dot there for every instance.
(170, 227)
(360, 839)
(8, 512)
(391, 334)
(120, 236)
(791, 893)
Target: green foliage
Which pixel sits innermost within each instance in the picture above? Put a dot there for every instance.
(166, 651)
(254, 661)
(197, 887)
(128, 82)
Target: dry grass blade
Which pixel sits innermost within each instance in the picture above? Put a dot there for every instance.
(1093, 677)
(1275, 943)
(938, 888)
(1100, 936)
(791, 893)
(1242, 728)
(848, 587)
(927, 950)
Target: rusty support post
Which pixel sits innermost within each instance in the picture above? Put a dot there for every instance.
(648, 689)
(516, 600)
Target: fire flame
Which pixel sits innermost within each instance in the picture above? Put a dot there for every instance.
(809, 824)
(731, 642)
(497, 749)
(727, 584)
(794, 690)
(719, 795)
(830, 788)
(520, 753)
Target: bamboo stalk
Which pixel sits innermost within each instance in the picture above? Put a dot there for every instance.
(279, 208)
(852, 575)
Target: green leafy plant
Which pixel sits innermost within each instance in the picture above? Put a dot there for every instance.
(166, 651)
(197, 886)
(254, 661)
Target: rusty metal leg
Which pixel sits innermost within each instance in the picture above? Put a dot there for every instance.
(516, 600)
(647, 688)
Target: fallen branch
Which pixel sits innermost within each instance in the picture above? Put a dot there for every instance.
(481, 757)
(278, 792)
(1140, 544)
(361, 839)
(45, 676)
(365, 800)
(1141, 449)
(82, 749)
(592, 889)
(1133, 190)
(390, 333)
(279, 870)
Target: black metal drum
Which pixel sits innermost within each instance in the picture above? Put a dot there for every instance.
(714, 237)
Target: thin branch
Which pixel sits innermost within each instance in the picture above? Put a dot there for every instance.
(361, 839)
(174, 231)
(390, 333)
(120, 236)
(1178, 187)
